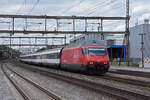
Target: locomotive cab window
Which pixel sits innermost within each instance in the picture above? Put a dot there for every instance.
(97, 51)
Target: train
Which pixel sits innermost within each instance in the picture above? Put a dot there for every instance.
(89, 58)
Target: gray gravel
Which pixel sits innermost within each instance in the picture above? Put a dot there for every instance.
(133, 88)
(129, 77)
(130, 68)
(30, 90)
(63, 89)
(5, 91)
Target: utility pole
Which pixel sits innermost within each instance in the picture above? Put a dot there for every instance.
(45, 23)
(20, 44)
(102, 35)
(142, 48)
(85, 25)
(73, 23)
(26, 24)
(57, 25)
(13, 27)
(127, 32)
(65, 40)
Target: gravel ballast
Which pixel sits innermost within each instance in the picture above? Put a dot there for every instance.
(5, 91)
(65, 90)
(99, 79)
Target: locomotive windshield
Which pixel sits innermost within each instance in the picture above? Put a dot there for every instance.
(97, 51)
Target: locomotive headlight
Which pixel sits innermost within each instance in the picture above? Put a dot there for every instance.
(91, 62)
(105, 63)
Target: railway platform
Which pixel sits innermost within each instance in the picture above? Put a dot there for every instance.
(130, 68)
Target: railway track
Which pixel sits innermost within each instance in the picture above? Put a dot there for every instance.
(120, 94)
(128, 81)
(16, 87)
(25, 96)
(133, 73)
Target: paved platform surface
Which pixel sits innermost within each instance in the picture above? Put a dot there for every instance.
(5, 91)
(130, 68)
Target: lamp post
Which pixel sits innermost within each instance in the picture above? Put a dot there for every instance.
(142, 47)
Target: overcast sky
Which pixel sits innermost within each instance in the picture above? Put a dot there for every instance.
(139, 9)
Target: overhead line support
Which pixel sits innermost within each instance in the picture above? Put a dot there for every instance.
(62, 32)
(61, 17)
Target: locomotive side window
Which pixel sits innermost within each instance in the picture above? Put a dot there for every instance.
(97, 51)
(84, 51)
(49, 56)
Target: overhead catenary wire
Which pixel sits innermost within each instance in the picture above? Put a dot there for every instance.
(95, 6)
(30, 10)
(75, 5)
(92, 10)
(34, 6)
(68, 9)
(21, 7)
(89, 8)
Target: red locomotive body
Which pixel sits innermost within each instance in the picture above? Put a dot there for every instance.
(86, 58)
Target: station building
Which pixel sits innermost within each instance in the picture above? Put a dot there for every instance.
(136, 33)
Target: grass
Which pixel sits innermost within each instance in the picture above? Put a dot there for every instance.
(133, 64)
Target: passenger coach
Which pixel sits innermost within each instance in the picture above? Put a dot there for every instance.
(49, 58)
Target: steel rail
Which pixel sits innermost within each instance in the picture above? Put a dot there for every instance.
(104, 89)
(128, 81)
(50, 94)
(13, 83)
(133, 73)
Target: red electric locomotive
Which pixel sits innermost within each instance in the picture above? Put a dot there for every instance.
(88, 57)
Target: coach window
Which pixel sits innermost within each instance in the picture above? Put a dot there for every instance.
(49, 56)
(32, 57)
(44, 56)
(56, 55)
(38, 57)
